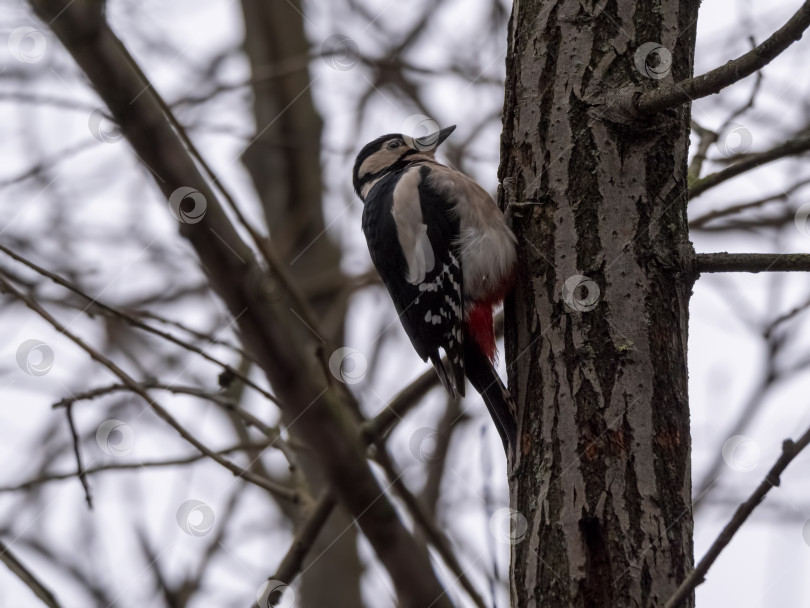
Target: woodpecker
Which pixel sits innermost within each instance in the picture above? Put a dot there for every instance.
(447, 258)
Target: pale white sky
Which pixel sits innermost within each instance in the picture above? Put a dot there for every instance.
(767, 562)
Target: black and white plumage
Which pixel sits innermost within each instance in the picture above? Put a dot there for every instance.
(447, 257)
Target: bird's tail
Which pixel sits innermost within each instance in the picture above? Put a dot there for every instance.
(485, 380)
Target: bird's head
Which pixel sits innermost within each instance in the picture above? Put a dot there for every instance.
(392, 152)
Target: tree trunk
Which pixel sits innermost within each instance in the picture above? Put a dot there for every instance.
(596, 331)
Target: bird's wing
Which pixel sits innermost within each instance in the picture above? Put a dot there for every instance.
(423, 274)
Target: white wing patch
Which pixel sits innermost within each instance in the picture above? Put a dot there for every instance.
(411, 230)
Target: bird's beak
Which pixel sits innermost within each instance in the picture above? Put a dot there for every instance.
(432, 141)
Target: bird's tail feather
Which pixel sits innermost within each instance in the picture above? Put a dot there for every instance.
(448, 385)
(485, 380)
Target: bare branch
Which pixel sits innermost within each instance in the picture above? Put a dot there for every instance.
(406, 399)
(701, 221)
(129, 466)
(717, 79)
(148, 314)
(79, 466)
(409, 397)
(272, 330)
(770, 375)
(27, 577)
(754, 224)
(790, 450)
(293, 560)
(27, 98)
(135, 322)
(224, 402)
(436, 464)
(428, 525)
(753, 262)
(267, 484)
(708, 137)
(285, 67)
(784, 318)
(68, 565)
(791, 147)
(41, 166)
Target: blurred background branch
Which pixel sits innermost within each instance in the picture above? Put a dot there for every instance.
(278, 97)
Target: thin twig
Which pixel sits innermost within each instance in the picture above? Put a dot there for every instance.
(272, 433)
(214, 546)
(190, 330)
(409, 397)
(753, 225)
(791, 147)
(769, 377)
(427, 524)
(790, 450)
(701, 221)
(708, 137)
(229, 261)
(26, 98)
(293, 561)
(717, 79)
(435, 465)
(129, 466)
(149, 384)
(27, 577)
(268, 484)
(80, 472)
(269, 255)
(751, 98)
(135, 322)
(285, 67)
(784, 318)
(406, 399)
(63, 155)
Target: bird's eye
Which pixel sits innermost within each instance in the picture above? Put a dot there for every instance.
(394, 144)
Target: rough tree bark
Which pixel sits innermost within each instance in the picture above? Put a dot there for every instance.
(596, 331)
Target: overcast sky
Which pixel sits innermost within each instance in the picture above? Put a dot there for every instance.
(767, 563)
